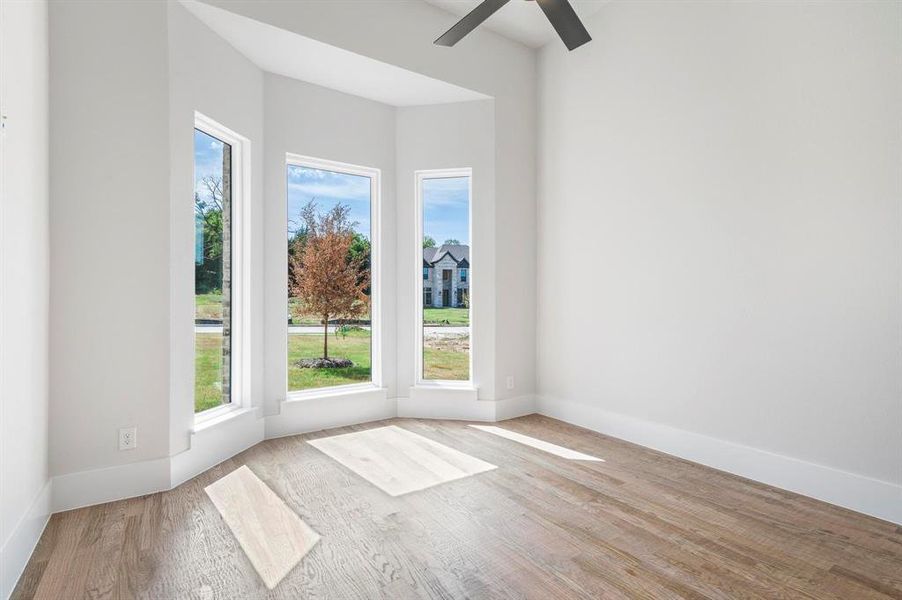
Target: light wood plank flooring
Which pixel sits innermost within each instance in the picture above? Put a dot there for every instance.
(639, 525)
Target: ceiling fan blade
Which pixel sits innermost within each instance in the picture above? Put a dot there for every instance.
(470, 22)
(565, 22)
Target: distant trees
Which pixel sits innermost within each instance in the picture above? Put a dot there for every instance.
(428, 242)
(453, 242)
(208, 215)
(328, 266)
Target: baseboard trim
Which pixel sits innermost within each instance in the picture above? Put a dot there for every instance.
(97, 486)
(20, 545)
(511, 408)
(210, 446)
(874, 497)
(462, 405)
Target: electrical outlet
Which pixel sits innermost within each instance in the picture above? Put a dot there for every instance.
(128, 438)
(510, 382)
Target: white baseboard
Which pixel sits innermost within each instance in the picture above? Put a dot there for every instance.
(881, 499)
(210, 446)
(96, 486)
(22, 540)
(510, 408)
(461, 404)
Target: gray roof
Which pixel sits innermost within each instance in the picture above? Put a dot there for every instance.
(458, 252)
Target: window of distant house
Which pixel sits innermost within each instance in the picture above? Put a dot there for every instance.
(212, 271)
(443, 207)
(331, 279)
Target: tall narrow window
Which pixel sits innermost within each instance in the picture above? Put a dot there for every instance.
(331, 279)
(443, 200)
(212, 271)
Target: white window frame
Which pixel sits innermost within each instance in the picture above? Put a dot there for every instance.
(421, 176)
(375, 176)
(240, 259)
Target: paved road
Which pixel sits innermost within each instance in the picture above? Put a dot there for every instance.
(316, 329)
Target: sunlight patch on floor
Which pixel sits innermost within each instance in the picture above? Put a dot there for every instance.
(537, 443)
(272, 536)
(398, 461)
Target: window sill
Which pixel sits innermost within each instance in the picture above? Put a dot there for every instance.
(446, 385)
(220, 416)
(332, 392)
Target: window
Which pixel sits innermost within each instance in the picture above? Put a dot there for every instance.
(219, 191)
(332, 281)
(425, 273)
(444, 317)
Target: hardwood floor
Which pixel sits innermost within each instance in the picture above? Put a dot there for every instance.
(272, 535)
(398, 461)
(639, 525)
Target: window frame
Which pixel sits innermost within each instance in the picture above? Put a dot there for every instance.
(240, 246)
(375, 176)
(420, 176)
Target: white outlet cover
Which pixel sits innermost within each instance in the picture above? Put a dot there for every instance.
(510, 382)
(128, 438)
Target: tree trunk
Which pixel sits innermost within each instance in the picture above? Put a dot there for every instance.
(326, 336)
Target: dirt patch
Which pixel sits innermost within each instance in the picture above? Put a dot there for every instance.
(448, 343)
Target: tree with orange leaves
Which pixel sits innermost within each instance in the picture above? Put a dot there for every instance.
(326, 276)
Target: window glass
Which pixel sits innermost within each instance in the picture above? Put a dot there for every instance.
(446, 309)
(329, 274)
(212, 271)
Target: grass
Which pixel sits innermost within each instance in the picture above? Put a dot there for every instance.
(453, 316)
(355, 346)
(447, 359)
(207, 371)
(208, 306)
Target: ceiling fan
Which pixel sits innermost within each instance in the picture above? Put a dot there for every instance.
(559, 12)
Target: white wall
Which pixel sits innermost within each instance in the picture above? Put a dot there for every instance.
(109, 218)
(207, 75)
(448, 136)
(719, 227)
(314, 121)
(125, 80)
(483, 62)
(24, 284)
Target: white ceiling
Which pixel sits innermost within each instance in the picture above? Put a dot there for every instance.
(520, 20)
(286, 53)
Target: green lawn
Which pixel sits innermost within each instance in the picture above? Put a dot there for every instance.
(447, 359)
(208, 306)
(355, 346)
(207, 371)
(453, 316)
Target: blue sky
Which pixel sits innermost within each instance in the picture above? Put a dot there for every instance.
(207, 159)
(328, 188)
(446, 208)
(446, 201)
